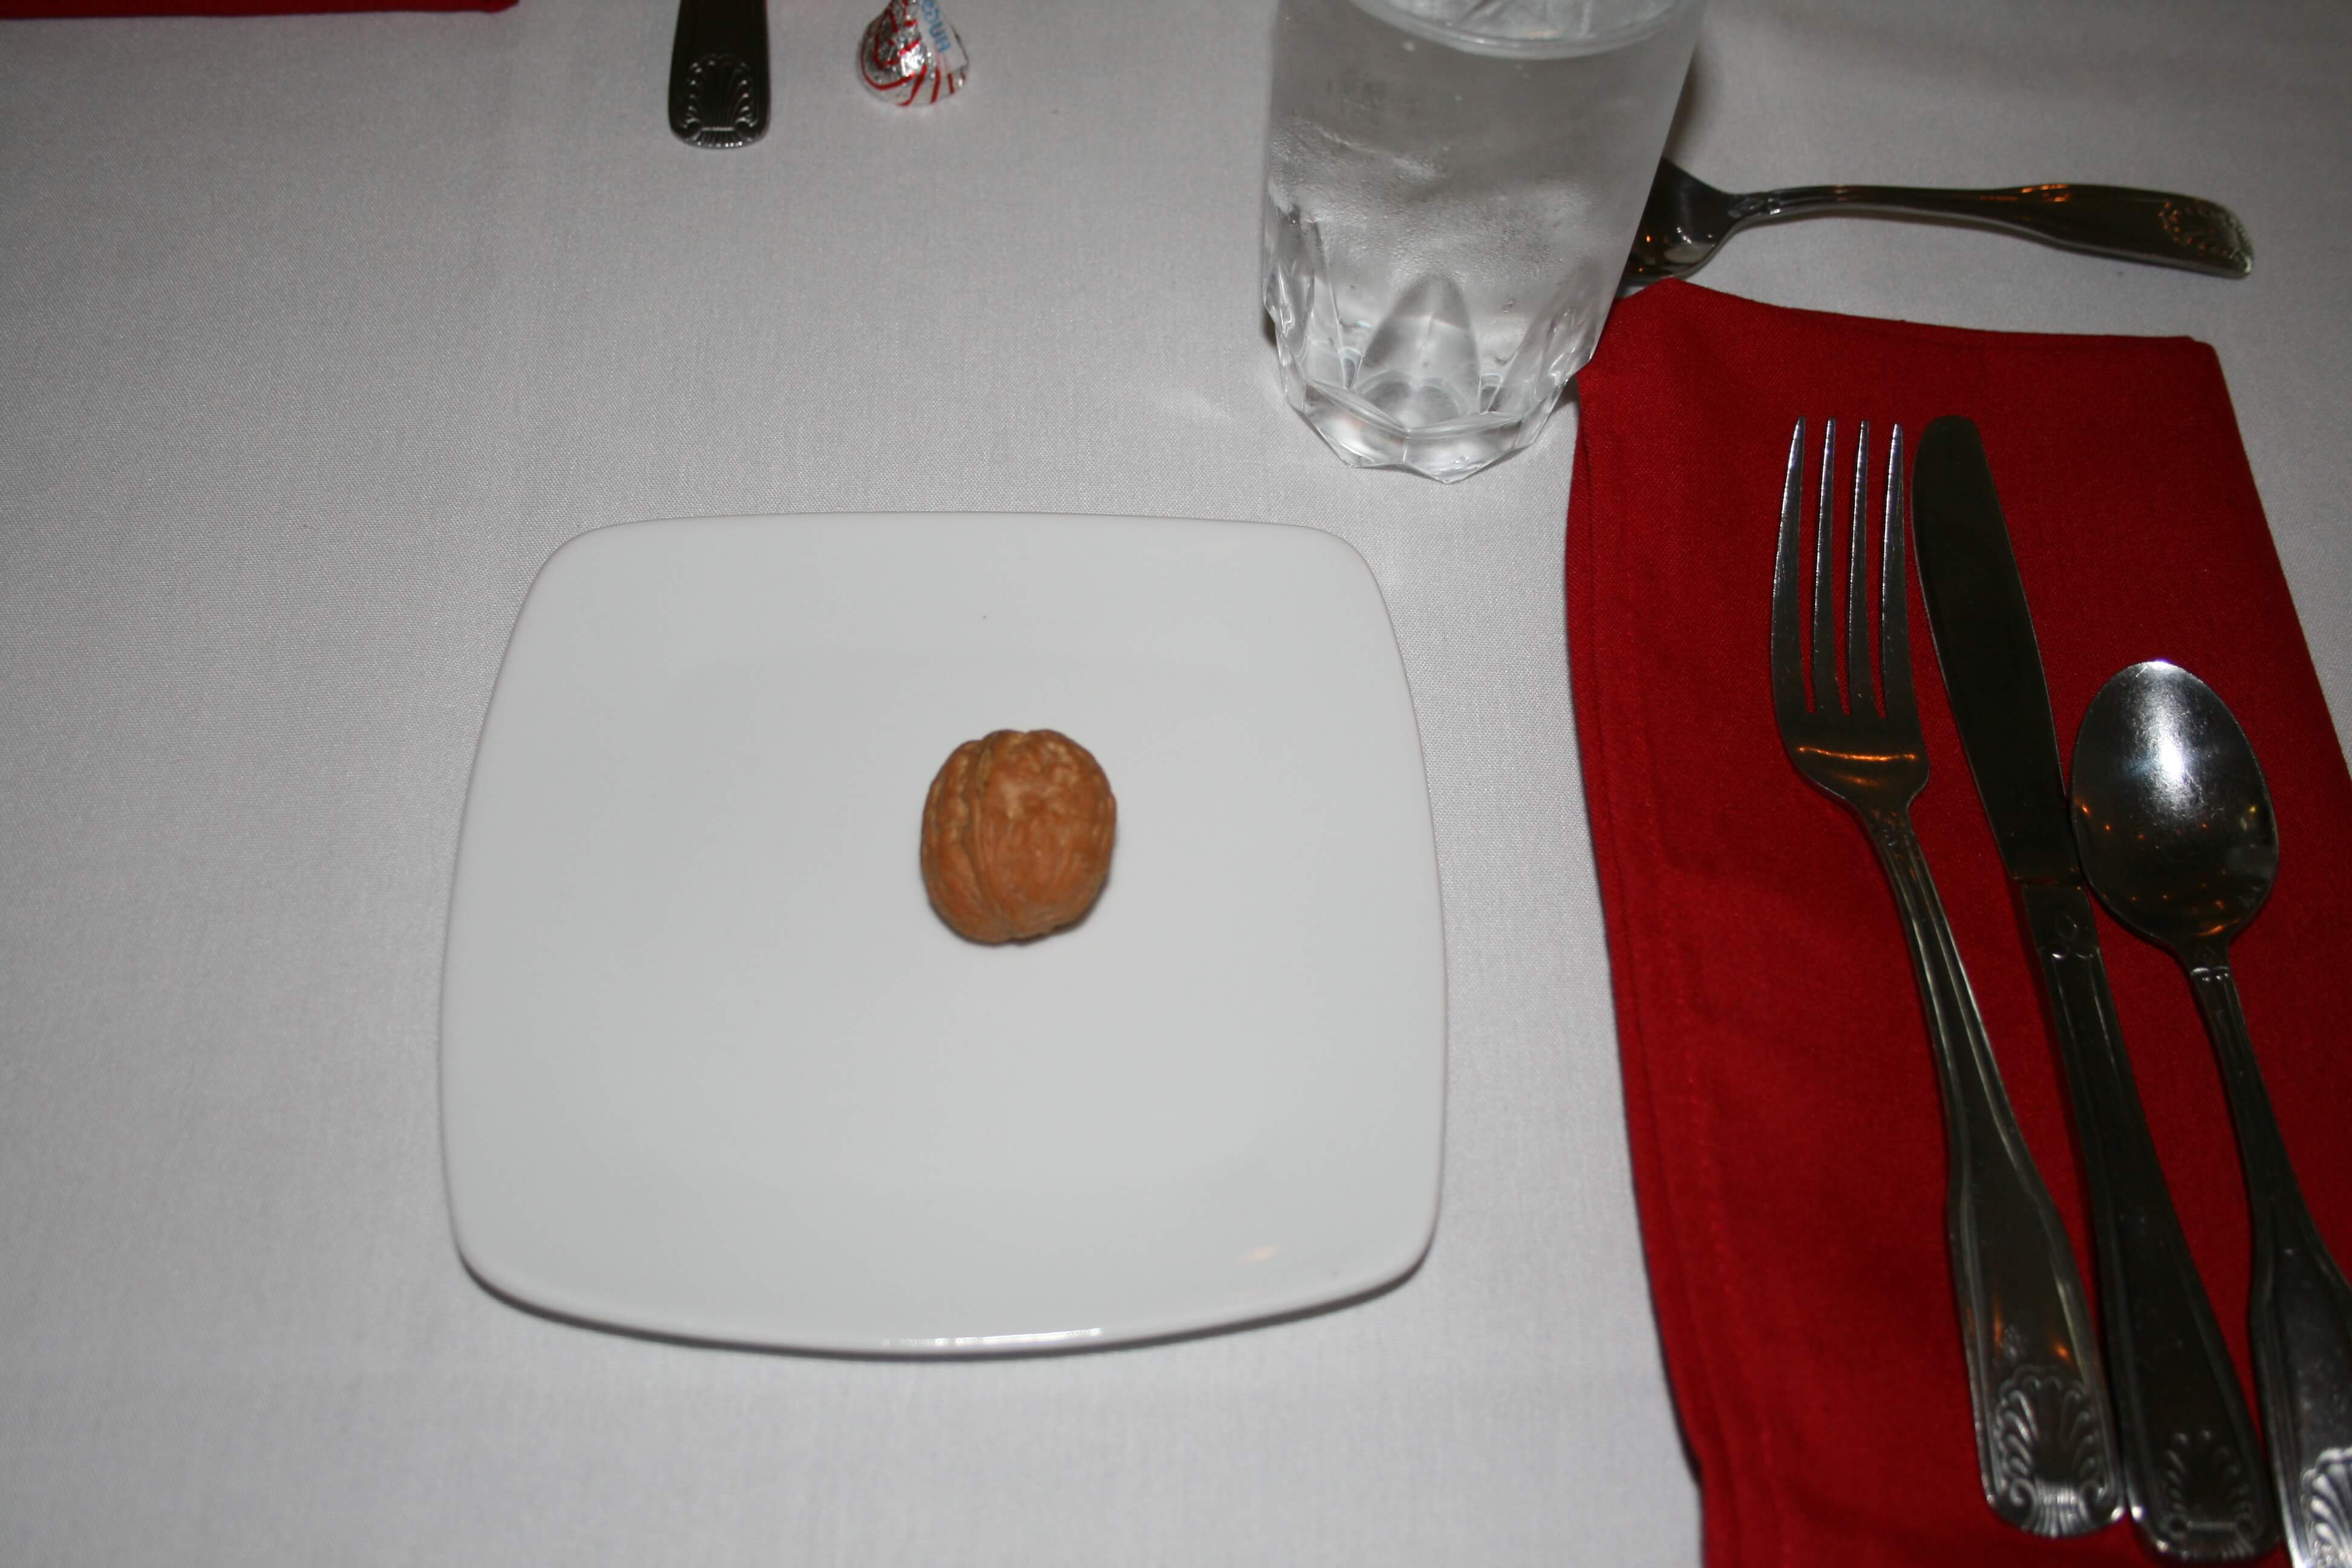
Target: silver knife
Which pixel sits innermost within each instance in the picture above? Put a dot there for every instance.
(2191, 1470)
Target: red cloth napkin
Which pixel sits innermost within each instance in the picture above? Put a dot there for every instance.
(1787, 1141)
(16, 9)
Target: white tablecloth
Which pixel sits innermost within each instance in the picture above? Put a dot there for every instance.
(317, 334)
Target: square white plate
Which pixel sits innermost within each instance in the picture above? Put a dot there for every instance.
(712, 1067)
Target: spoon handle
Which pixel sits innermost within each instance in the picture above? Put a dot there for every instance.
(2300, 1311)
(2191, 1465)
(2044, 1444)
(2106, 220)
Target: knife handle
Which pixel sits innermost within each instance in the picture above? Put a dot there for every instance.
(2044, 1449)
(2191, 1468)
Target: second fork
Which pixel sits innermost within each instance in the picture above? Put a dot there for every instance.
(2044, 1449)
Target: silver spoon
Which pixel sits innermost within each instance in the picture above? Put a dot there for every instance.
(2177, 837)
(1686, 219)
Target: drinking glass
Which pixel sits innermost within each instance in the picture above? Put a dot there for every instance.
(1451, 190)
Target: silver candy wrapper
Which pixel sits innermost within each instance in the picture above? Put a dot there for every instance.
(909, 55)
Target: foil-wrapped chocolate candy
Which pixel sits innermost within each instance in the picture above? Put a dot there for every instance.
(911, 55)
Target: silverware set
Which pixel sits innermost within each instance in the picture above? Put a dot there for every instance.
(2191, 1468)
(2043, 1446)
(2170, 822)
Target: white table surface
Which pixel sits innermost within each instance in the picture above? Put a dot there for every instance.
(317, 334)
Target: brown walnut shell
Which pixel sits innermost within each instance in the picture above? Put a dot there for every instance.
(1017, 835)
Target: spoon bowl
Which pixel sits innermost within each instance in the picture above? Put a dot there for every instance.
(2171, 811)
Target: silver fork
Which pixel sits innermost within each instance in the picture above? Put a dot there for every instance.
(1686, 220)
(2043, 1447)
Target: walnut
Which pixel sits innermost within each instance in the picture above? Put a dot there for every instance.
(1017, 835)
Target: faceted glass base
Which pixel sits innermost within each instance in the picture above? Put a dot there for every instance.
(1447, 450)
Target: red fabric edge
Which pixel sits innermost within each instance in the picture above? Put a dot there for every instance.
(1702, 1431)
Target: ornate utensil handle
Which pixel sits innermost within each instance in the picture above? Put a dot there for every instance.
(719, 72)
(2043, 1446)
(2106, 220)
(2192, 1470)
(2301, 1311)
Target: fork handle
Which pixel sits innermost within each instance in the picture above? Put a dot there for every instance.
(2105, 220)
(2045, 1449)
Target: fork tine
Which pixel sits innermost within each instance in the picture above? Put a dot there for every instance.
(1788, 660)
(1859, 690)
(1825, 688)
(1894, 624)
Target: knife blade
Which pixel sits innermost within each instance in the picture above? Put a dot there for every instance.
(2192, 1470)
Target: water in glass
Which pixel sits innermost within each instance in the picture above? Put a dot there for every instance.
(1451, 191)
